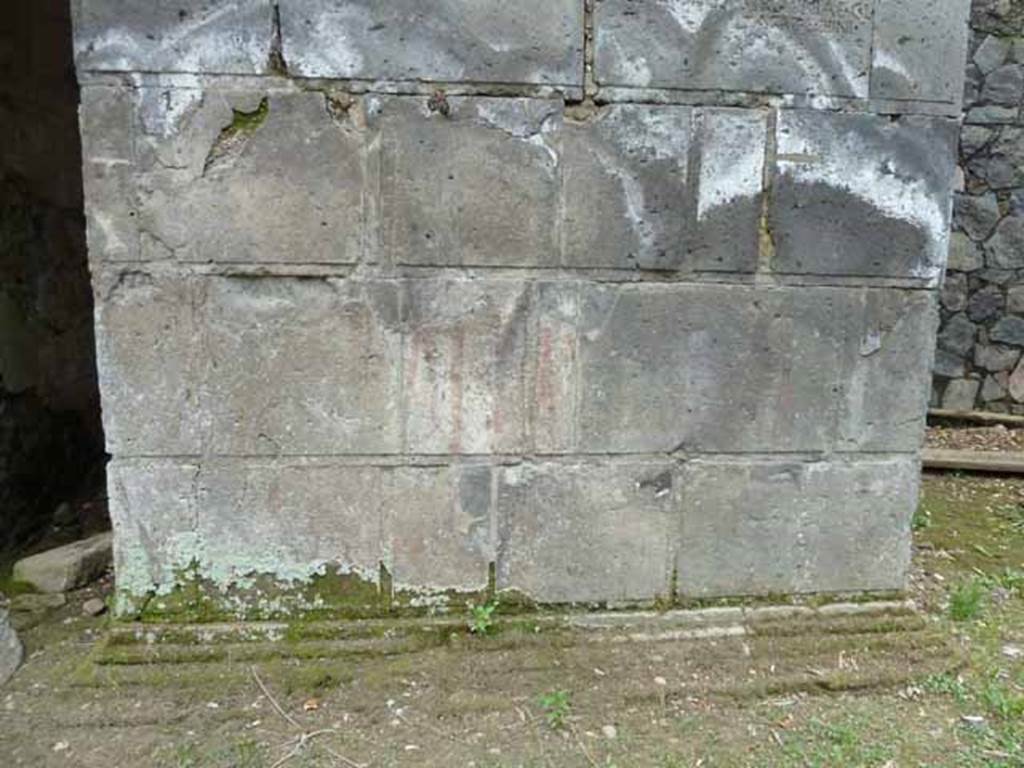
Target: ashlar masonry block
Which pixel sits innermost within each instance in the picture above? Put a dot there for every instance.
(537, 42)
(771, 46)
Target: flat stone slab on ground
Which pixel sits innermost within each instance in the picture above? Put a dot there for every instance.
(67, 567)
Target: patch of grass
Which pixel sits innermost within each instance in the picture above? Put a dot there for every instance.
(966, 600)
(556, 706)
(836, 744)
(481, 617)
(948, 684)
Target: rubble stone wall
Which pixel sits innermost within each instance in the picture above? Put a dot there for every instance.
(607, 302)
(978, 363)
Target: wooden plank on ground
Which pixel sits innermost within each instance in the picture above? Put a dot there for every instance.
(1010, 463)
(977, 417)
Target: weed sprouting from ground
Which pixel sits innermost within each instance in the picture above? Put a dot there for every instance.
(556, 705)
(482, 617)
(966, 600)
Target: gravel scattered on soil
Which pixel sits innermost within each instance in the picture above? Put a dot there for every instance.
(995, 438)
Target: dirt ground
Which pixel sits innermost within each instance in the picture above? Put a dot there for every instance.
(944, 689)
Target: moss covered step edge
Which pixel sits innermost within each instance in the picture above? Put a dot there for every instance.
(148, 643)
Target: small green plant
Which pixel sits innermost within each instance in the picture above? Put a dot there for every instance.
(482, 617)
(1002, 701)
(556, 706)
(965, 602)
(922, 519)
(948, 684)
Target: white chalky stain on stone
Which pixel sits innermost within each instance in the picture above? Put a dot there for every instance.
(732, 163)
(191, 50)
(842, 165)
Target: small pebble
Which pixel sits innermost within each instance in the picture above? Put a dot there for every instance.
(609, 731)
(94, 607)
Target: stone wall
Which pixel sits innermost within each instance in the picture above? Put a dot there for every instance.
(50, 437)
(613, 303)
(978, 364)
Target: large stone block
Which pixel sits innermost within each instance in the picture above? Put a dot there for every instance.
(301, 366)
(184, 36)
(149, 354)
(250, 365)
(887, 359)
(601, 531)
(250, 177)
(154, 509)
(745, 369)
(708, 368)
(231, 521)
(463, 365)
(919, 49)
(108, 154)
(476, 186)
(772, 526)
(785, 46)
(291, 519)
(628, 196)
(530, 41)
(862, 195)
(438, 528)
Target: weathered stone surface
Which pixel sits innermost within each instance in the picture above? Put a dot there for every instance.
(631, 164)
(279, 180)
(108, 152)
(552, 368)
(986, 304)
(1004, 86)
(315, 366)
(730, 189)
(185, 36)
(964, 255)
(476, 186)
(907, 35)
(67, 567)
(974, 138)
(462, 366)
(958, 335)
(954, 292)
(149, 354)
(777, 526)
(785, 47)
(836, 210)
(531, 41)
(992, 115)
(977, 215)
(947, 365)
(229, 520)
(995, 357)
(884, 391)
(991, 389)
(594, 532)
(667, 368)
(1015, 300)
(960, 394)
(1005, 249)
(1009, 330)
(11, 650)
(992, 52)
(1016, 383)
